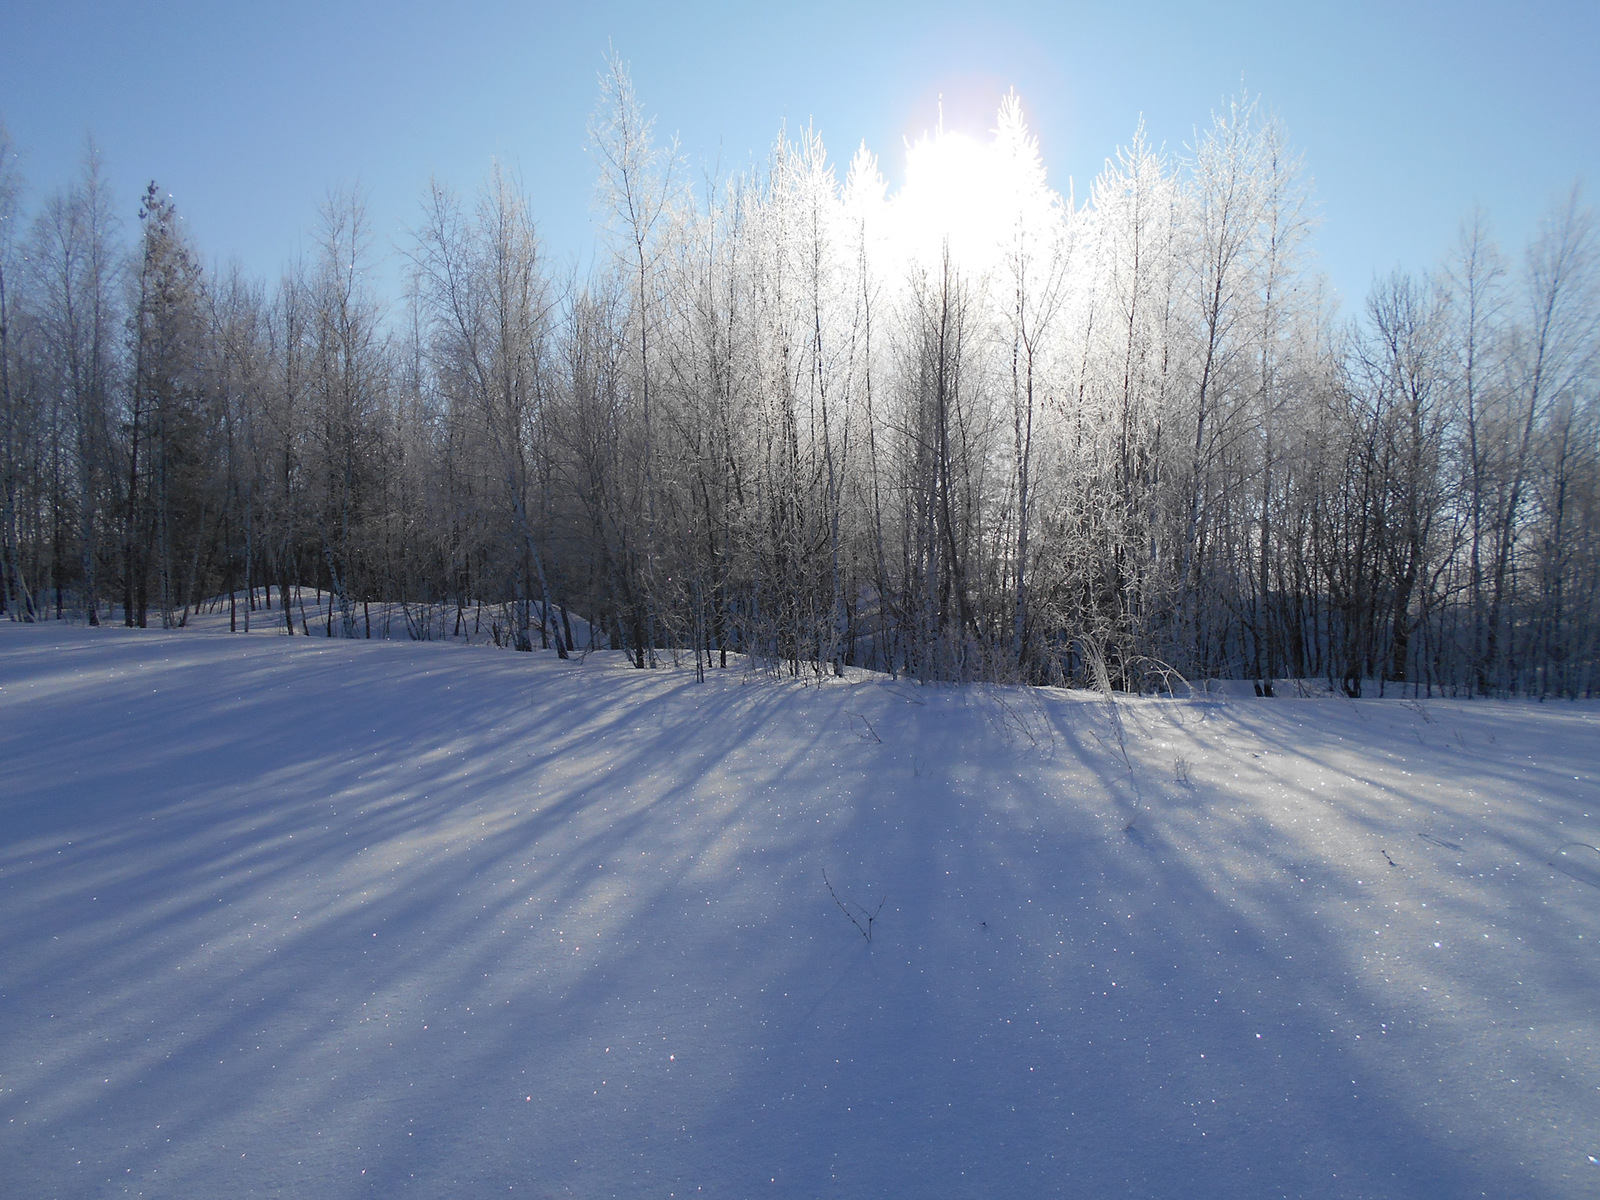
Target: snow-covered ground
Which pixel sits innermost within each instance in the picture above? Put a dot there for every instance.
(308, 917)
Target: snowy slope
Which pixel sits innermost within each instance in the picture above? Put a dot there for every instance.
(288, 916)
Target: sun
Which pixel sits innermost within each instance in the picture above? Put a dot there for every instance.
(949, 200)
(973, 199)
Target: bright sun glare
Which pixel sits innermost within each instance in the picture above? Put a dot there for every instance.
(950, 193)
(972, 195)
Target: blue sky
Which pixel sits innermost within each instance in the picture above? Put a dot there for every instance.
(1408, 114)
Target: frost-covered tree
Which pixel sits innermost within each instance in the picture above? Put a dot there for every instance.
(967, 428)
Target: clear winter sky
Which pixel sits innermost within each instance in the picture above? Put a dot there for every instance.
(1408, 113)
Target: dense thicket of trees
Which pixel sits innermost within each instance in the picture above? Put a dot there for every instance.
(976, 431)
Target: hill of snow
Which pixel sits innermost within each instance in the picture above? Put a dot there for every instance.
(298, 916)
